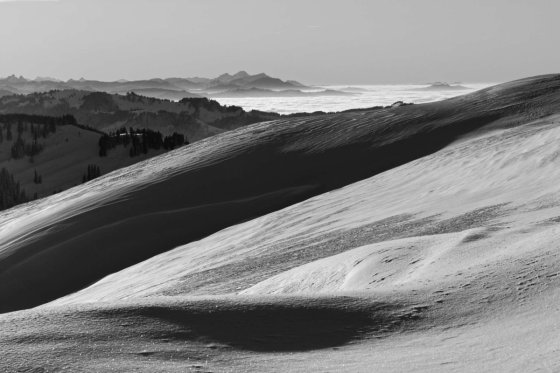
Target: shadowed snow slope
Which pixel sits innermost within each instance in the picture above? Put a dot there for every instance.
(438, 252)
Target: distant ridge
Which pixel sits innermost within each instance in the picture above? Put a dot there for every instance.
(197, 118)
(174, 88)
(442, 86)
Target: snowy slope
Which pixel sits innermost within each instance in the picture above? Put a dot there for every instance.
(439, 254)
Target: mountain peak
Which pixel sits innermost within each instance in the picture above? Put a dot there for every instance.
(260, 75)
(241, 74)
(14, 79)
(46, 79)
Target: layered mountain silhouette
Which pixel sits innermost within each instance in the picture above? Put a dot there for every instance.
(170, 88)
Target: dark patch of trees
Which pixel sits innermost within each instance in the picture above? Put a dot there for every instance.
(11, 193)
(20, 148)
(9, 135)
(176, 140)
(93, 171)
(140, 141)
(89, 128)
(210, 105)
(37, 179)
(50, 121)
(99, 102)
(39, 126)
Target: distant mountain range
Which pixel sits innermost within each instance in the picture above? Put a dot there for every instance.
(226, 85)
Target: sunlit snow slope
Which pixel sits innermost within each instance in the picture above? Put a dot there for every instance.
(435, 249)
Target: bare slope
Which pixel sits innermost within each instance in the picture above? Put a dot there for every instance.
(55, 246)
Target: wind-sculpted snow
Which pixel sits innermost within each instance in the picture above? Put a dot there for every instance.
(413, 226)
(417, 238)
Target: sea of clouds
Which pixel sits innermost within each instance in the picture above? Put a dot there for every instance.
(369, 95)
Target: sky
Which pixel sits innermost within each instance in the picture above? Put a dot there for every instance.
(313, 41)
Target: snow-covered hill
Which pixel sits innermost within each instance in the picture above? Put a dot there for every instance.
(429, 244)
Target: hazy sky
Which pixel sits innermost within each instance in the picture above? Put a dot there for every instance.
(315, 41)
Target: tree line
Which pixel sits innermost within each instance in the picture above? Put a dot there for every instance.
(11, 193)
(12, 129)
(40, 126)
(93, 171)
(38, 119)
(140, 141)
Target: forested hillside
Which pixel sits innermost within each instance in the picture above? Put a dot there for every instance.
(196, 118)
(42, 155)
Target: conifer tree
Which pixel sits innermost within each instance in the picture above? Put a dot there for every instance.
(9, 132)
